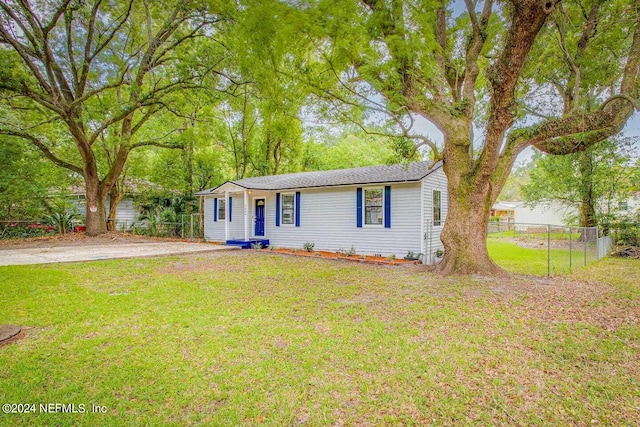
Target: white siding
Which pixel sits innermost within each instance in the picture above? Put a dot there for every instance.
(435, 181)
(236, 226)
(213, 230)
(328, 219)
(126, 215)
(554, 213)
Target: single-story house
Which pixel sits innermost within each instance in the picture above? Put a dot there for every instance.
(504, 210)
(126, 215)
(387, 210)
(551, 213)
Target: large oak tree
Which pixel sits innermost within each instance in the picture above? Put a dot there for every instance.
(100, 71)
(556, 75)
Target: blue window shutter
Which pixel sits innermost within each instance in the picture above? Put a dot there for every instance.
(215, 210)
(297, 209)
(277, 209)
(230, 207)
(359, 207)
(387, 206)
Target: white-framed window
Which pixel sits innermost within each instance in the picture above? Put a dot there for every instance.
(437, 207)
(222, 209)
(288, 208)
(373, 206)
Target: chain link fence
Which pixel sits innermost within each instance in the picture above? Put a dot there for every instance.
(546, 249)
(190, 227)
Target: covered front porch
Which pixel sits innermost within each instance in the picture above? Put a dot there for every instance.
(239, 215)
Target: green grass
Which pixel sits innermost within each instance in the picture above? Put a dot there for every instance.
(533, 261)
(538, 236)
(255, 338)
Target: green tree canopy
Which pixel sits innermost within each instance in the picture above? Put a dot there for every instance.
(559, 76)
(595, 181)
(100, 73)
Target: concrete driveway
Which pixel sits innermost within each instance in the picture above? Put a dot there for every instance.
(99, 252)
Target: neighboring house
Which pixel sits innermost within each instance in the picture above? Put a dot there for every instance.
(126, 215)
(504, 210)
(554, 213)
(388, 210)
(630, 207)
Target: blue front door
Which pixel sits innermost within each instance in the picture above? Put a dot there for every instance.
(259, 228)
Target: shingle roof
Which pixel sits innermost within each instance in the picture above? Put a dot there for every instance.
(410, 172)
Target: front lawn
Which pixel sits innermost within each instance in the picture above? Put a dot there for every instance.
(250, 338)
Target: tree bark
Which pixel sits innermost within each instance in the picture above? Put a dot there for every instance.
(96, 221)
(464, 235)
(115, 197)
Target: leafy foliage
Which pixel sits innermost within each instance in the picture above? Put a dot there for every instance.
(30, 187)
(594, 181)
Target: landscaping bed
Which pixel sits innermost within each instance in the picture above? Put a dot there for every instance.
(81, 239)
(343, 256)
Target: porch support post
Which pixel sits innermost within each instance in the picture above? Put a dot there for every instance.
(423, 233)
(246, 215)
(226, 216)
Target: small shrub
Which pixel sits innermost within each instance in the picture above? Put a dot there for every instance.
(439, 253)
(256, 245)
(351, 252)
(61, 221)
(412, 256)
(308, 246)
(391, 257)
(271, 248)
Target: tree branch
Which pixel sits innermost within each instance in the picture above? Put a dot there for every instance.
(175, 145)
(42, 147)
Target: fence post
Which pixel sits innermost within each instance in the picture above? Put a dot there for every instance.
(586, 238)
(548, 250)
(570, 247)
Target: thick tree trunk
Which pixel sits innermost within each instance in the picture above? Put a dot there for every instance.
(114, 199)
(465, 237)
(96, 220)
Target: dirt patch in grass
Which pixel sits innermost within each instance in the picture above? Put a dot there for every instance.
(541, 243)
(81, 239)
